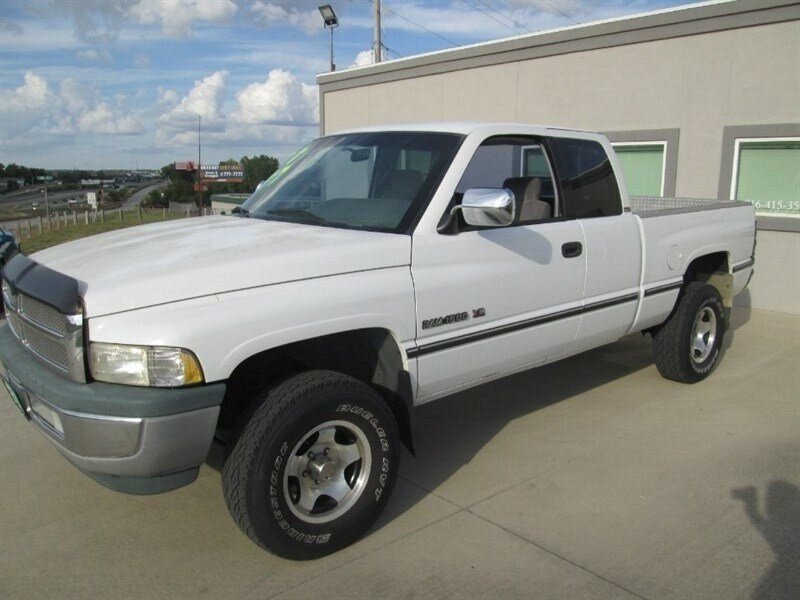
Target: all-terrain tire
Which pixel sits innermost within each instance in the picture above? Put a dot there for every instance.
(687, 347)
(261, 481)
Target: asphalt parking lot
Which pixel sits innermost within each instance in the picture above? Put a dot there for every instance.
(589, 478)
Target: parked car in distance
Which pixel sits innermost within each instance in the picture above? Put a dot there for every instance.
(377, 270)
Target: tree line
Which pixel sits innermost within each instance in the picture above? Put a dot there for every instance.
(29, 174)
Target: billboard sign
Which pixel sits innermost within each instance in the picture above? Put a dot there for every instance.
(222, 173)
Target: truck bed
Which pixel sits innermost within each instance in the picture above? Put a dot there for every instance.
(656, 206)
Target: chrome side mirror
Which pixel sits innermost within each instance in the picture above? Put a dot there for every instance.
(487, 207)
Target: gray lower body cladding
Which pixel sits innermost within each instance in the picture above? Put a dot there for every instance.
(135, 440)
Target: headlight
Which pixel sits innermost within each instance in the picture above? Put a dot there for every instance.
(143, 365)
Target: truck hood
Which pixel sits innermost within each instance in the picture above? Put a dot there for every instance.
(188, 258)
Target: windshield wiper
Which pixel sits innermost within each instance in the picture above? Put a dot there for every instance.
(298, 212)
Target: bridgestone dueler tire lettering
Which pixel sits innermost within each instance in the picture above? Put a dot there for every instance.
(672, 342)
(252, 477)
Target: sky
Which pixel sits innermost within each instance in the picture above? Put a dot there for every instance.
(102, 84)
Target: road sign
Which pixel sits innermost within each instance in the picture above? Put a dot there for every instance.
(184, 166)
(44, 178)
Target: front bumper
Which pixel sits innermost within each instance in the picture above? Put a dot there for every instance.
(130, 439)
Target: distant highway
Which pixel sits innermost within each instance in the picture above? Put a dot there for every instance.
(137, 198)
(58, 200)
(26, 199)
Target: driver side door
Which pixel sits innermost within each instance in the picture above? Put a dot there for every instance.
(491, 301)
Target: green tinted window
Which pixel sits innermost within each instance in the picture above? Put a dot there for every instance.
(643, 167)
(769, 176)
(535, 164)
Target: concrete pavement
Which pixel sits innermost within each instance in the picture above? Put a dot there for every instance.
(590, 478)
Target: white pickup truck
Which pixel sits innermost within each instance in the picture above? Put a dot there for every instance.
(377, 270)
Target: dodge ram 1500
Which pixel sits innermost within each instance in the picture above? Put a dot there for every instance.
(376, 270)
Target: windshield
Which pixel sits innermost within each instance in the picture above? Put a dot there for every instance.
(374, 181)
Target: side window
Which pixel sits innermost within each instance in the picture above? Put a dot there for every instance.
(587, 179)
(519, 164)
(534, 163)
(490, 166)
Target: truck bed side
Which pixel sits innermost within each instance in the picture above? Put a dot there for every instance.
(675, 232)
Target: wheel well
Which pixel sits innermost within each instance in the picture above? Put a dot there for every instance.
(369, 355)
(713, 269)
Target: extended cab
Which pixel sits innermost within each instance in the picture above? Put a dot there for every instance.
(376, 270)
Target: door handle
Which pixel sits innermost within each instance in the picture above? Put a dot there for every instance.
(571, 249)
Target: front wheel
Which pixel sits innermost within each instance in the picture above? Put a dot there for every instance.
(687, 347)
(314, 466)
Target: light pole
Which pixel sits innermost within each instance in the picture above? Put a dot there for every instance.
(330, 21)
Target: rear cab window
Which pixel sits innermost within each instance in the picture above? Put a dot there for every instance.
(587, 181)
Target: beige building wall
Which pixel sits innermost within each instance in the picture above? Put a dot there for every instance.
(776, 283)
(696, 84)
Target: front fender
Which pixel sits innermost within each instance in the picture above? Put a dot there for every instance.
(225, 329)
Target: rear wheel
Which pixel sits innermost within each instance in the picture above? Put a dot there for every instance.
(314, 466)
(687, 346)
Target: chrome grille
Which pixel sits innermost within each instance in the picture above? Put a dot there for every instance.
(46, 346)
(13, 322)
(42, 314)
(52, 336)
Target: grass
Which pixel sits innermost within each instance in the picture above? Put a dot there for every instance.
(10, 214)
(82, 230)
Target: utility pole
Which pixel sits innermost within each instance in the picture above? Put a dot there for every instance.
(378, 42)
(46, 202)
(199, 166)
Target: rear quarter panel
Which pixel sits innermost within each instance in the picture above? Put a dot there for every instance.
(673, 241)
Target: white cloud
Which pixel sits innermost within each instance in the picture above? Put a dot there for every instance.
(364, 58)
(206, 96)
(302, 15)
(34, 109)
(177, 16)
(167, 98)
(282, 99)
(102, 119)
(77, 97)
(95, 55)
(178, 124)
(281, 109)
(33, 94)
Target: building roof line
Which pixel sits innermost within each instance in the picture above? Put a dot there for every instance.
(727, 14)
